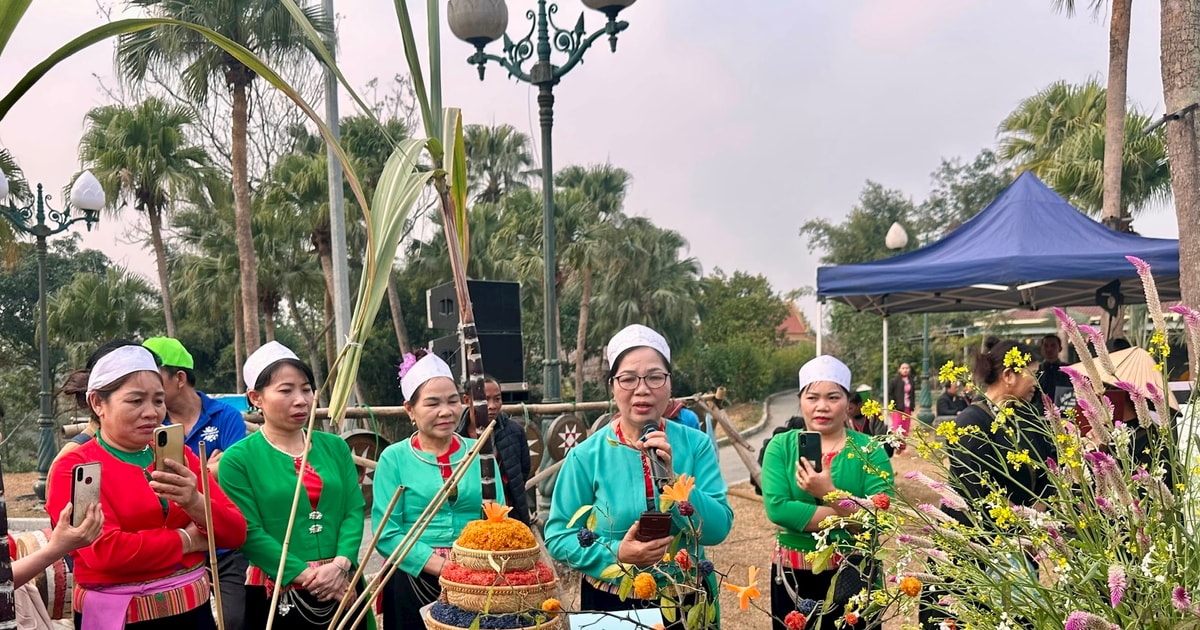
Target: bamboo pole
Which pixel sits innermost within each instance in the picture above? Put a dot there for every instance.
(740, 445)
(208, 533)
(413, 535)
(362, 565)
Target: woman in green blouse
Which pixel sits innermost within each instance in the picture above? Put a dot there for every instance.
(793, 489)
(421, 464)
(259, 474)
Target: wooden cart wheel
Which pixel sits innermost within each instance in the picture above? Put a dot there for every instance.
(368, 445)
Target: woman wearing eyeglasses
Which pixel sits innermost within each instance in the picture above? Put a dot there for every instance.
(615, 472)
(422, 464)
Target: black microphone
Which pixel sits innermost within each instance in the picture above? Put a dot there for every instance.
(658, 470)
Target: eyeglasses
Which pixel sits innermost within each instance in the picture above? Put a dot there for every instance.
(654, 380)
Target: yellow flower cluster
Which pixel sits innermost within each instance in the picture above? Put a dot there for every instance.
(950, 373)
(1003, 515)
(1159, 349)
(953, 433)
(871, 409)
(1006, 414)
(1017, 459)
(1016, 359)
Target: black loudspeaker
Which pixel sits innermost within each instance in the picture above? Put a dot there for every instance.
(497, 306)
(503, 355)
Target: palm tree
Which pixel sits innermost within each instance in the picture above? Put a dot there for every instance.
(141, 154)
(267, 29)
(1180, 66)
(18, 189)
(101, 306)
(499, 160)
(1060, 134)
(1113, 214)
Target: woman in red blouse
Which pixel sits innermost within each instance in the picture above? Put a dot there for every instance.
(146, 571)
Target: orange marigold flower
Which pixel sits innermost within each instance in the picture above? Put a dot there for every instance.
(680, 490)
(644, 586)
(748, 592)
(852, 618)
(658, 626)
(683, 560)
(552, 605)
(496, 512)
(910, 586)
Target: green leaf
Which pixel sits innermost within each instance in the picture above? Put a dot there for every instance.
(398, 189)
(668, 610)
(577, 515)
(414, 69)
(11, 12)
(612, 572)
(822, 558)
(626, 587)
(592, 521)
(454, 162)
(695, 616)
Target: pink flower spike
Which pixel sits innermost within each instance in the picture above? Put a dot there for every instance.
(1116, 584)
(1092, 333)
(1190, 315)
(1155, 394)
(1135, 392)
(1142, 266)
(1079, 620)
(1064, 319)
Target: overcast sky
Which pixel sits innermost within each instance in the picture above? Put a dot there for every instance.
(738, 120)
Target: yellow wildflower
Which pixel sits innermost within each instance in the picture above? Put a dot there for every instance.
(1016, 459)
(871, 409)
(950, 373)
(949, 431)
(1016, 359)
(1003, 515)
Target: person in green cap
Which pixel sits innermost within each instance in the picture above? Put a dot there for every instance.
(220, 426)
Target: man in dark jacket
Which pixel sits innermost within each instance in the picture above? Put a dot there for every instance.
(512, 449)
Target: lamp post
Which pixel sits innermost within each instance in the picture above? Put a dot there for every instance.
(480, 22)
(87, 195)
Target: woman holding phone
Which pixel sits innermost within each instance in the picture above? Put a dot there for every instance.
(615, 471)
(260, 472)
(802, 467)
(147, 568)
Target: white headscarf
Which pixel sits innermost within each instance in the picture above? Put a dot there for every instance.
(266, 355)
(636, 336)
(120, 362)
(825, 368)
(427, 367)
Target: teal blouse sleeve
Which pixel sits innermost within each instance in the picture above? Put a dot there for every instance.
(572, 490)
(713, 515)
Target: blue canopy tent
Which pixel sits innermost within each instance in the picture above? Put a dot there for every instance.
(1028, 249)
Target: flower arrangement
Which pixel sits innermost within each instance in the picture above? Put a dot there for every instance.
(1108, 541)
(497, 532)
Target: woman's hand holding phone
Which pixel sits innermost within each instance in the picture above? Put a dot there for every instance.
(642, 553)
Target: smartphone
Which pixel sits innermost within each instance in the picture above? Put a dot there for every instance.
(653, 525)
(810, 448)
(85, 491)
(168, 444)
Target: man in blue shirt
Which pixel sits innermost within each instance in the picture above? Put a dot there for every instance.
(219, 426)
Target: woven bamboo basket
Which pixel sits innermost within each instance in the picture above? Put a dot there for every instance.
(557, 623)
(501, 599)
(479, 560)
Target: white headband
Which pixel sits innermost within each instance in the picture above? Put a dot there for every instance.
(636, 336)
(429, 366)
(825, 368)
(266, 355)
(120, 362)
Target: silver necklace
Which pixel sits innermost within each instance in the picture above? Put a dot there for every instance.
(272, 444)
(420, 455)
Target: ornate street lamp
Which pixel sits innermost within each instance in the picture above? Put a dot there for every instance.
(480, 22)
(88, 196)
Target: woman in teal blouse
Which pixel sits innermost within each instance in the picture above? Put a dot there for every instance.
(421, 464)
(792, 489)
(611, 469)
(259, 474)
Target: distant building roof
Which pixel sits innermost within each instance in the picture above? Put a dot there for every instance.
(795, 327)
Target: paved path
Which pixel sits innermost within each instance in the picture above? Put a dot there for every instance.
(779, 408)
